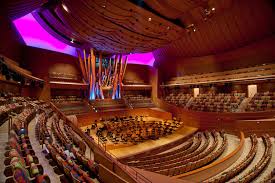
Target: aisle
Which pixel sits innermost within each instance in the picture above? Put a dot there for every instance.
(48, 169)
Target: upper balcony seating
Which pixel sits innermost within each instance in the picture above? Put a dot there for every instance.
(107, 105)
(178, 99)
(134, 82)
(71, 104)
(67, 100)
(138, 101)
(264, 101)
(221, 102)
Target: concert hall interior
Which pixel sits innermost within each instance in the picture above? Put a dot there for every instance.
(137, 91)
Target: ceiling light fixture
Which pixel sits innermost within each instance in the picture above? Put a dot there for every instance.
(149, 19)
(213, 9)
(65, 7)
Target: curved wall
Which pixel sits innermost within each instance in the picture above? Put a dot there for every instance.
(259, 52)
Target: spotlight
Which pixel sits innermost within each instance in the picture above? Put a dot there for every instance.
(149, 19)
(168, 28)
(72, 41)
(65, 7)
(213, 9)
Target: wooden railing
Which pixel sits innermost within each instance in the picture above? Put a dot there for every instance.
(100, 148)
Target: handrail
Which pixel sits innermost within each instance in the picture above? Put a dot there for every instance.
(138, 177)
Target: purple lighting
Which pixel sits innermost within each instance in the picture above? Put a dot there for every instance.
(141, 58)
(35, 35)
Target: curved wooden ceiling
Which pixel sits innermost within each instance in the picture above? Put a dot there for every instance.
(240, 23)
(108, 26)
(124, 26)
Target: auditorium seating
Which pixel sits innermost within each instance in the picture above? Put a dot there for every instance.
(99, 105)
(185, 158)
(227, 175)
(261, 71)
(21, 164)
(71, 104)
(72, 166)
(221, 102)
(262, 101)
(199, 151)
(138, 101)
(195, 152)
(137, 81)
(178, 99)
(66, 99)
(252, 172)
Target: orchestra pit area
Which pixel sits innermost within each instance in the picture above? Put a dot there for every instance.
(137, 91)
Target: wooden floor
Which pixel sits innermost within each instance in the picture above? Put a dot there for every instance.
(134, 149)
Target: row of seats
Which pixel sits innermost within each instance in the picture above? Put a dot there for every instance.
(199, 160)
(66, 153)
(71, 104)
(186, 158)
(178, 99)
(138, 101)
(67, 99)
(227, 175)
(191, 157)
(262, 101)
(221, 102)
(107, 104)
(254, 171)
(21, 164)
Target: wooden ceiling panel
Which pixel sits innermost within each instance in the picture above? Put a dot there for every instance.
(241, 22)
(121, 26)
(18, 8)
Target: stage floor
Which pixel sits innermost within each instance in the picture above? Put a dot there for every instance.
(149, 144)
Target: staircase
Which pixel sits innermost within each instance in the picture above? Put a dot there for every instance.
(189, 102)
(244, 104)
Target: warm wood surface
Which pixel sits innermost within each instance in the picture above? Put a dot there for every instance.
(223, 31)
(150, 144)
(88, 119)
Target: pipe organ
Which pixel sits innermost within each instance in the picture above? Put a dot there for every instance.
(102, 74)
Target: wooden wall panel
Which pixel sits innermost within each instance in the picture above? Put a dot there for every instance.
(11, 42)
(243, 23)
(40, 61)
(135, 72)
(87, 119)
(257, 53)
